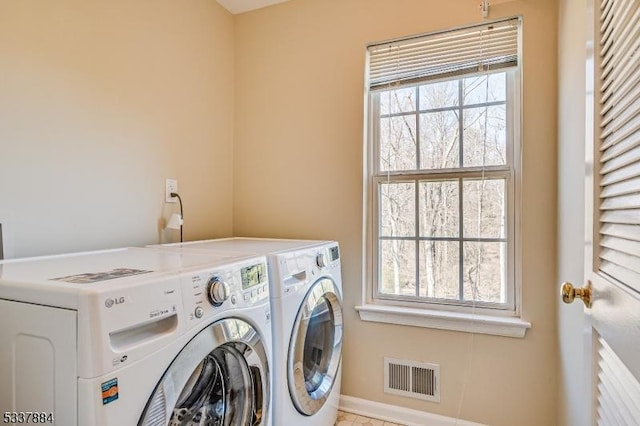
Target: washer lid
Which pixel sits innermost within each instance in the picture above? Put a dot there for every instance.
(316, 347)
(221, 377)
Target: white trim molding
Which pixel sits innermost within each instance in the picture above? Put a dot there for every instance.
(395, 414)
(444, 320)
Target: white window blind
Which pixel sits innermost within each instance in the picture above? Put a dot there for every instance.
(445, 54)
(620, 141)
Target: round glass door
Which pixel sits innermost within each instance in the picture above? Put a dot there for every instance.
(316, 347)
(220, 378)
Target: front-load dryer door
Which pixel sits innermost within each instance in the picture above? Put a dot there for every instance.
(220, 378)
(316, 347)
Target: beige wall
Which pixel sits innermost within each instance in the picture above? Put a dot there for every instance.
(100, 101)
(298, 173)
(571, 167)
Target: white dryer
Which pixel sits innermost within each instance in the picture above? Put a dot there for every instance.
(306, 303)
(136, 337)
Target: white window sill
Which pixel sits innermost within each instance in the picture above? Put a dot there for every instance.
(444, 320)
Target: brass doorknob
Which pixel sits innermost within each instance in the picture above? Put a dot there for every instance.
(569, 293)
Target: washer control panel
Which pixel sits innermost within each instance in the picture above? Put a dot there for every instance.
(235, 285)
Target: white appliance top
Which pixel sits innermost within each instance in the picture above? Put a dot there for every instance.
(243, 245)
(59, 280)
(291, 263)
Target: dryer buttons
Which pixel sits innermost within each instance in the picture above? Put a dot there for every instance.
(199, 312)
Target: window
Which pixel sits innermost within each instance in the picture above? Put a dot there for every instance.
(443, 160)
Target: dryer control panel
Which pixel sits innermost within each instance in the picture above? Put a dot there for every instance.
(297, 268)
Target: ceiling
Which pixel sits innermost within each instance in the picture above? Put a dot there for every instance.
(240, 6)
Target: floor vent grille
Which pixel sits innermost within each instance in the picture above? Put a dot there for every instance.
(412, 379)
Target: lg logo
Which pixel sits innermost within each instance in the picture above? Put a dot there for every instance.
(110, 302)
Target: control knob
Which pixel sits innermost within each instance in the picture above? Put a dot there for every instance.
(217, 291)
(321, 260)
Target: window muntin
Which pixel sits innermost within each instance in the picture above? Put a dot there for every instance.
(444, 151)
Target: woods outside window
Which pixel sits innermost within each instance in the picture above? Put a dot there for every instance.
(443, 166)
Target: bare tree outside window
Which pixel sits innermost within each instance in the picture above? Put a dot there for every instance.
(443, 184)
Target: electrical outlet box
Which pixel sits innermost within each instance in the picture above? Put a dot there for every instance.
(171, 185)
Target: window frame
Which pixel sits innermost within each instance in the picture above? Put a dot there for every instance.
(511, 172)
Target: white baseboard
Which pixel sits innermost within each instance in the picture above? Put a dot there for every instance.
(395, 414)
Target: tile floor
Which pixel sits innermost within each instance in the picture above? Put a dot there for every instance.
(348, 419)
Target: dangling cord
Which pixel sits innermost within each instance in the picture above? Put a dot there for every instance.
(175, 194)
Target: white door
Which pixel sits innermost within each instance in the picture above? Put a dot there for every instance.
(612, 249)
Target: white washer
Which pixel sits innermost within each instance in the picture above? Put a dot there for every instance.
(136, 337)
(306, 303)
